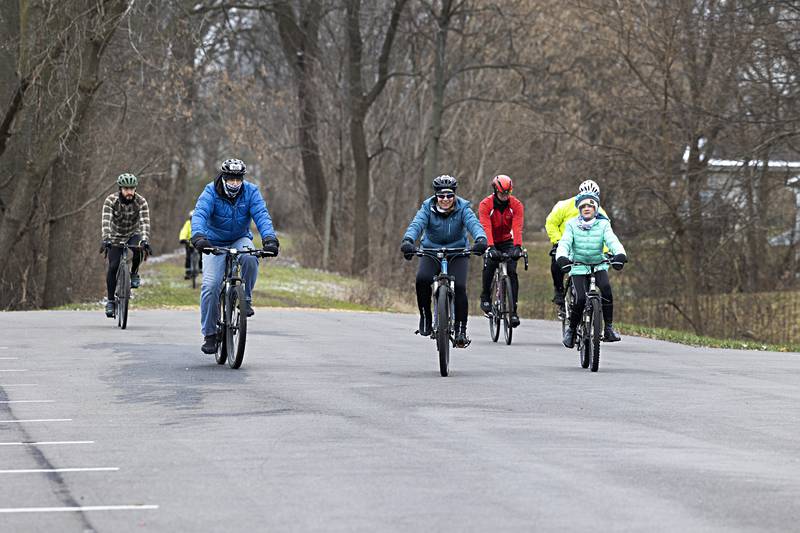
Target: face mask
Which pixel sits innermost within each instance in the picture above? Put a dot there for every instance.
(231, 190)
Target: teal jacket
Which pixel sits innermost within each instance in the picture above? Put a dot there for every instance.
(586, 246)
(438, 231)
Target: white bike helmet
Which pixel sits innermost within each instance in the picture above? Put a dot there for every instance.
(590, 187)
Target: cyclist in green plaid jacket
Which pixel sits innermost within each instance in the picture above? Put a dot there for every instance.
(126, 219)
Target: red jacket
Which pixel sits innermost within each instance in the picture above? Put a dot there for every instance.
(502, 226)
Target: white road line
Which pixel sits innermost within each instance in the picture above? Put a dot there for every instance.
(46, 442)
(27, 401)
(36, 420)
(4, 385)
(3, 347)
(13, 369)
(78, 509)
(8, 358)
(46, 470)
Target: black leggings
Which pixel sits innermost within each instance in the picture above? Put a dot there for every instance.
(581, 284)
(490, 265)
(428, 268)
(558, 275)
(114, 255)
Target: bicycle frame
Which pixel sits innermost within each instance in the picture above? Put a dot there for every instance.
(592, 295)
(444, 281)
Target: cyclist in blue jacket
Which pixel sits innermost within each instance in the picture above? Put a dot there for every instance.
(222, 218)
(443, 222)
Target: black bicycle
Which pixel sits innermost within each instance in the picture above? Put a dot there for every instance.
(122, 291)
(232, 321)
(502, 299)
(444, 291)
(589, 332)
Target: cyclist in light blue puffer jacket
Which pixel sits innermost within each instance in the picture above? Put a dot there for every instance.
(583, 241)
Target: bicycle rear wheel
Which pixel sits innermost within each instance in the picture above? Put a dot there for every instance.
(236, 332)
(494, 316)
(597, 333)
(222, 352)
(507, 304)
(123, 296)
(443, 330)
(563, 312)
(194, 264)
(584, 350)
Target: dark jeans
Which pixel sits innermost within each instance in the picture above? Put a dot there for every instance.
(490, 265)
(114, 255)
(558, 275)
(428, 268)
(581, 284)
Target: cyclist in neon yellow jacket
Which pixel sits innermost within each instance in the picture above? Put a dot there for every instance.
(563, 212)
(185, 237)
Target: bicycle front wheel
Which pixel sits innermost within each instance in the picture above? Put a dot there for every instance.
(222, 352)
(597, 333)
(507, 305)
(494, 316)
(443, 330)
(236, 332)
(123, 296)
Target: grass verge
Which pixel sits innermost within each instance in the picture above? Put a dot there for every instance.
(683, 337)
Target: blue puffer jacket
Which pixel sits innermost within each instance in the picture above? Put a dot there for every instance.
(444, 231)
(224, 221)
(586, 246)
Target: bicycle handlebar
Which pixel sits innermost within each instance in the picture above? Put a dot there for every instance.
(505, 256)
(450, 252)
(221, 250)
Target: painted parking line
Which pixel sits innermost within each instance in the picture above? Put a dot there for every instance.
(35, 420)
(78, 509)
(46, 442)
(27, 401)
(53, 470)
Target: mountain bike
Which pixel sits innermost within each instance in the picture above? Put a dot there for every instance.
(232, 321)
(589, 331)
(502, 299)
(122, 292)
(443, 294)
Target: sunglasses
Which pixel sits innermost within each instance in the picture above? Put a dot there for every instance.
(447, 195)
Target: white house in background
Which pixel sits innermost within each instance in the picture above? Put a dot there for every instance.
(722, 169)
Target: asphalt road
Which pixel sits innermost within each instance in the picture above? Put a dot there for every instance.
(340, 422)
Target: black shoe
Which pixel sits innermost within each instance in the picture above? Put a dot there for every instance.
(461, 339)
(135, 281)
(569, 338)
(425, 325)
(486, 306)
(209, 344)
(249, 306)
(514, 320)
(110, 309)
(558, 298)
(187, 275)
(610, 334)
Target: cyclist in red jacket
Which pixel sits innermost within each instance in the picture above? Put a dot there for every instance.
(502, 217)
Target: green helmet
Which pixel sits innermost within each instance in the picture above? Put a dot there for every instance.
(127, 180)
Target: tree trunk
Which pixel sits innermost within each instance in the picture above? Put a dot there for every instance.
(439, 85)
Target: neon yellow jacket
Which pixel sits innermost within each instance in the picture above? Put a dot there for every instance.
(562, 212)
(186, 231)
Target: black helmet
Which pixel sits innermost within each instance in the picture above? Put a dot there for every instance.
(234, 166)
(445, 182)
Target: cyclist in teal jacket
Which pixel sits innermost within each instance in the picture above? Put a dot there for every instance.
(583, 241)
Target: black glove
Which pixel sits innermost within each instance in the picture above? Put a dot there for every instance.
(553, 250)
(479, 246)
(200, 242)
(516, 253)
(146, 247)
(271, 246)
(184, 241)
(494, 254)
(563, 263)
(105, 244)
(618, 261)
(407, 248)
